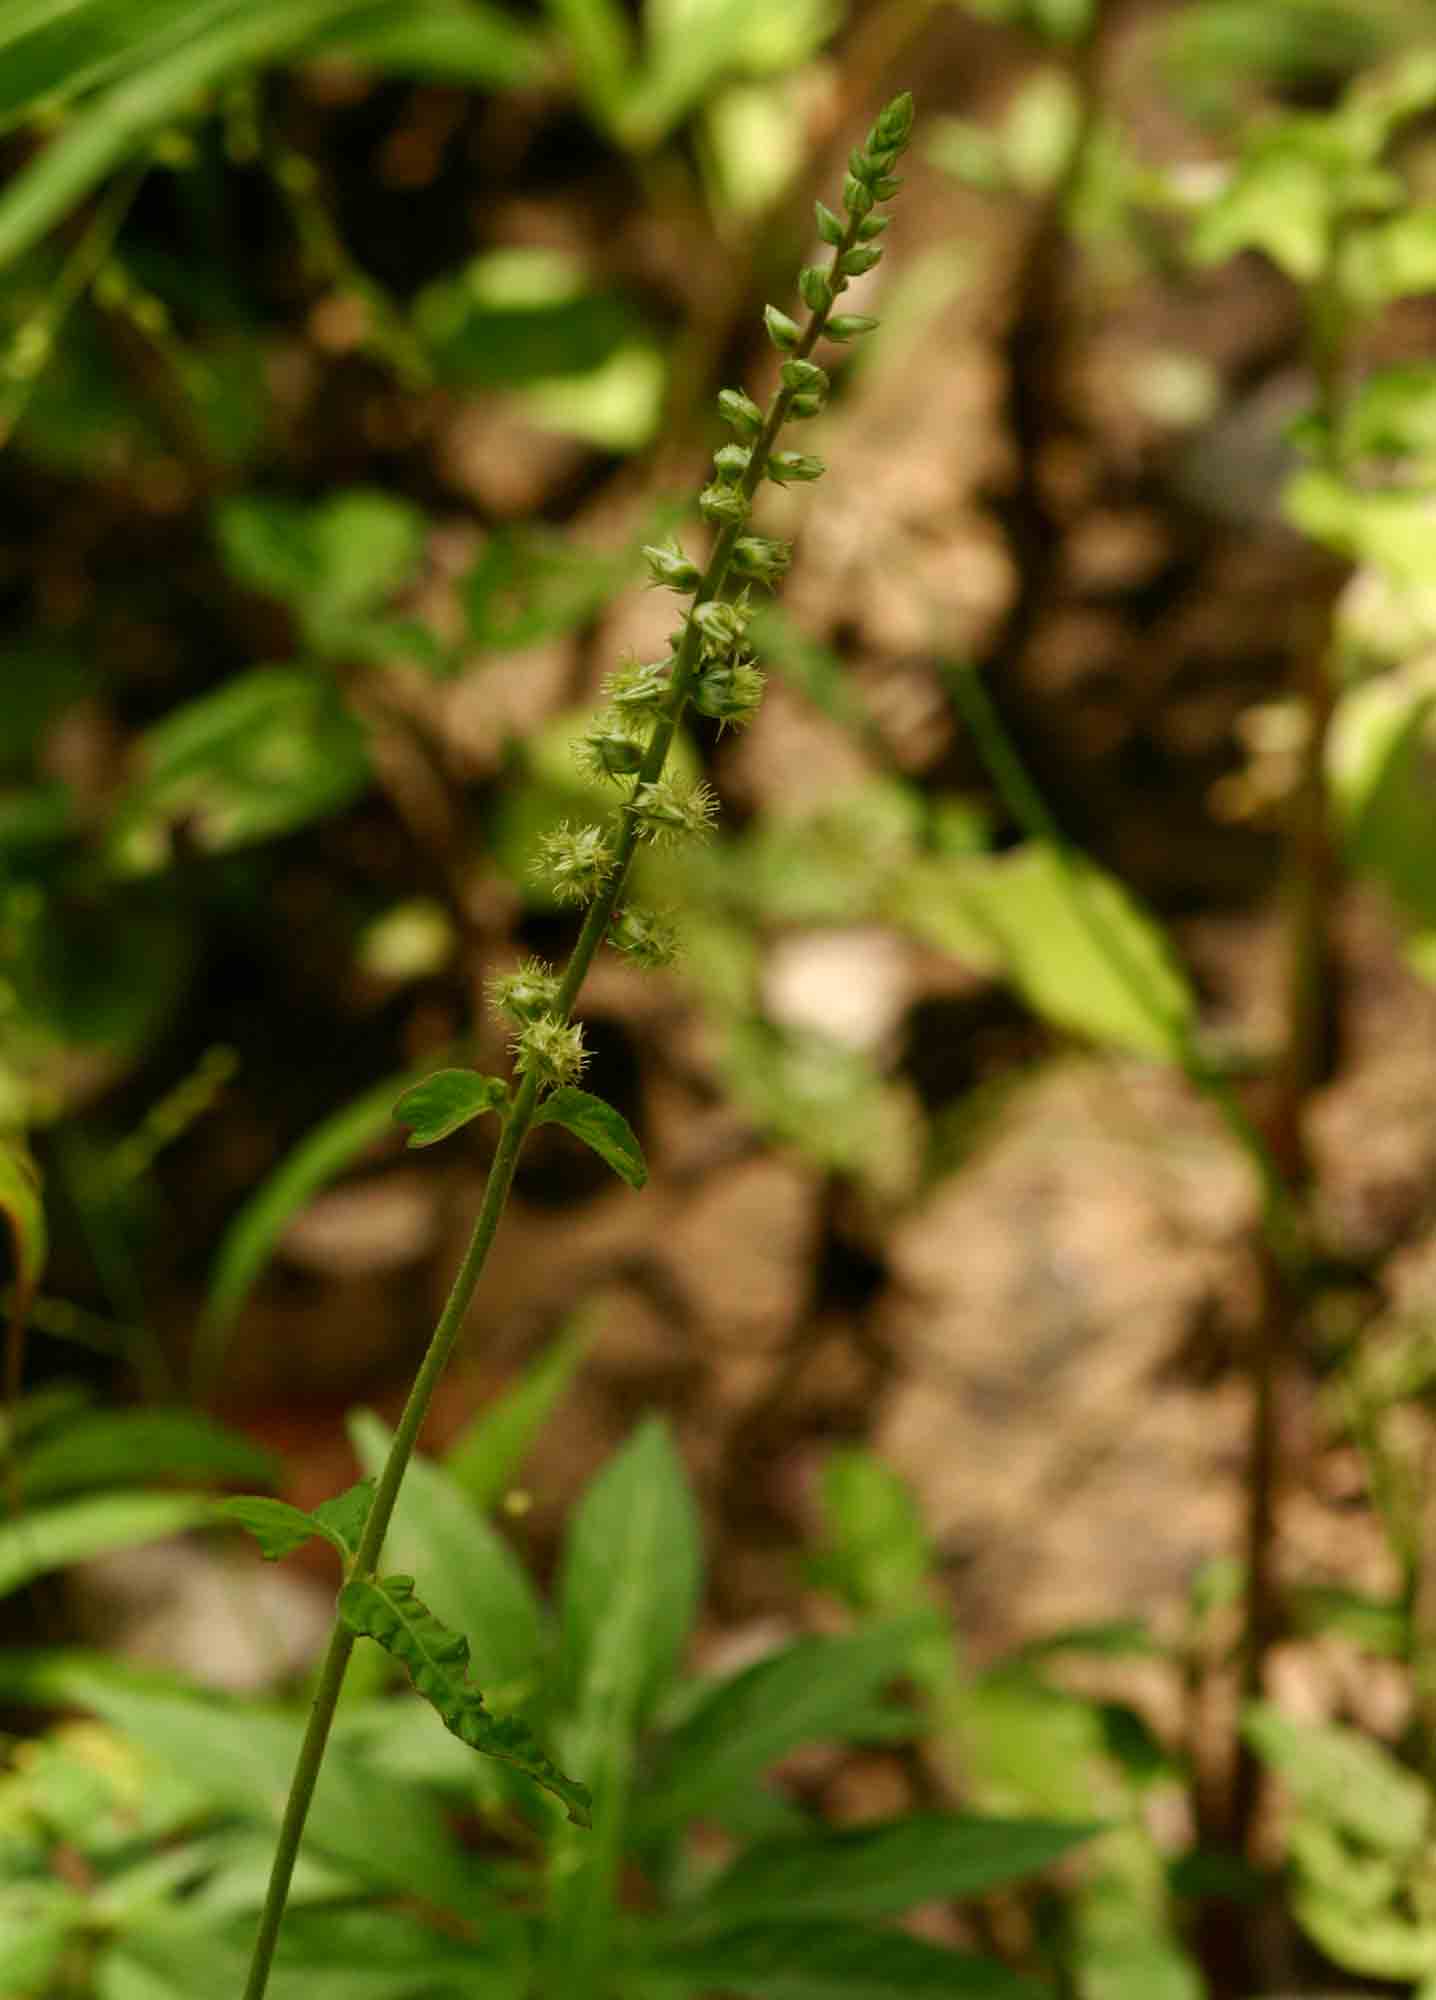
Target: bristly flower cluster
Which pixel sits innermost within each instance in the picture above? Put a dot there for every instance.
(710, 666)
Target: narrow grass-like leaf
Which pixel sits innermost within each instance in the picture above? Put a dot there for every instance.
(108, 129)
(250, 1240)
(457, 41)
(54, 1537)
(809, 1691)
(485, 1456)
(599, 1126)
(445, 1101)
(388, 1611)
(828, 1961)
(880, 1871)
(106, 1448)
(473, 1581)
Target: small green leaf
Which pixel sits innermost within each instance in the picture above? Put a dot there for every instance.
(280, 1529)
(388, 1611)
(1337, 1775)
(599, 1126)
(275, 1525)
(445, 1101)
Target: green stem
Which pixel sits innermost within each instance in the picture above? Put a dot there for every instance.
(516, 1126)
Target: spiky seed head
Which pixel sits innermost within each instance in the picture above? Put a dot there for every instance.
(550, 1049)
(640, 689)
(730, 693)
(527, 992)
(574, 862)
(723, 504)
(721, 623)
(609, 749)
(761, 558)
(668, 811)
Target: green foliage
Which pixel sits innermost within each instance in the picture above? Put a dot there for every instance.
(485, 1456)
(600, 1127)
(447, 1101)
(167, 1798)
(279, 1528)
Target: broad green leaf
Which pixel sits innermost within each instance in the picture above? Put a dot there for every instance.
(112, 126)
(37, 1919)
(518, 316)
(387, 1611)
(599, 1126)
(630, 1579)
(467, 42)
(1391, 526)
(1381, 758)
(694, 46)
(807, 1693)
(23, 1211)
(335, 1954)
(1345, 1778)
(270, 751)
(485, 1457)
(336, 564)
(250, 1239)
(49, 1538)
(599, 35)
(1391, 259)
(1081, 950)
(880, 1871)
(470, 1575)
(1141, 1968)
(103, 1448)
(242, 1756)
(828, 1961)
(446, 1101)
(527, 586)
(1297, 176)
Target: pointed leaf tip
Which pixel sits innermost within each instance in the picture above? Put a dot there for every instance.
(599, 1126)
(443, 1102)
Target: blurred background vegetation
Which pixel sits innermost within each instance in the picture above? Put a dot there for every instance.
(349, 352)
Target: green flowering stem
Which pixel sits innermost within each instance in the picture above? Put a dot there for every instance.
(889, 136)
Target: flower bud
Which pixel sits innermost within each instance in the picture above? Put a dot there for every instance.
(761, 558)
(730, 693)
(872, 225)
(552, 1050)
(857, 200)
(723, 505)
(805, 404)
(786, 466)
(848, 326)
(721, 623)
(860, 258)
(741, 413)
(670, 569)
(782, 331)
(574, 862)
(636, 690)
(830, 227)
(886, 188)
(609, 749)
(894, 121)
(804, 375)
(731, 463)
(815, 288)
(649, 938)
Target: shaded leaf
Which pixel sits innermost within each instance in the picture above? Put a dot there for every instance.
(445, 1101)
(829, 1961)
(459, 41)
(102, 1448)
(880, 1871)
(388, 1611)
(600, 1127)
(484, 1458)
(1342, 1777)
(50, 1538)
(278, 1528)
(809, 1691)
